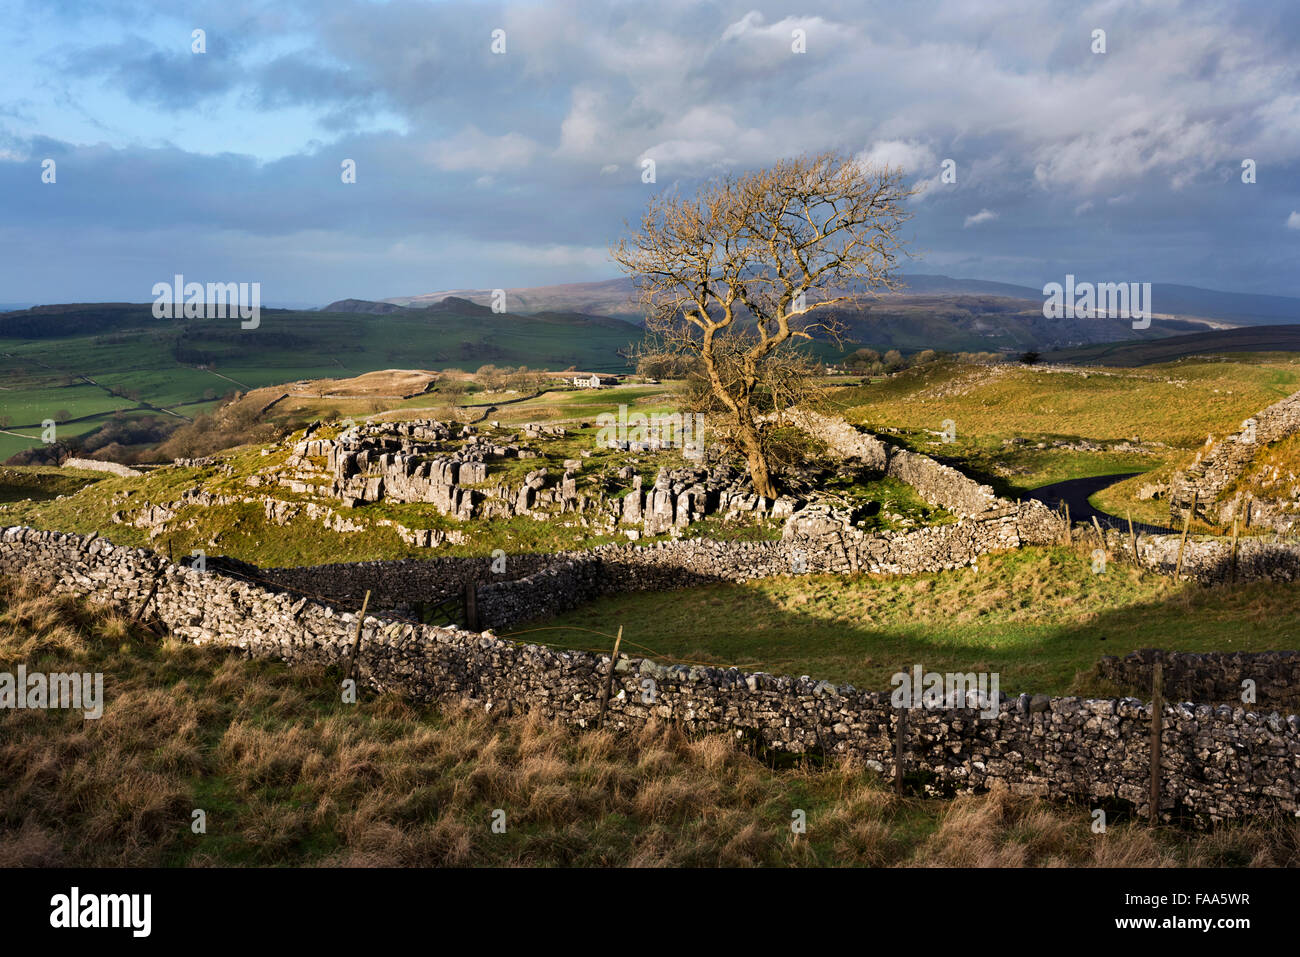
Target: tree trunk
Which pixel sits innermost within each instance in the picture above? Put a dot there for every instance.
(756, 460)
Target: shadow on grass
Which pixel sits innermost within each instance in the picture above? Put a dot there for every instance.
(861, 630)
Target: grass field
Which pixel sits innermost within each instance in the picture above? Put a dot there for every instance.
(243, 531)
(173, 364)
(289, 775)
(1177, 404)
(286, 774)
(41, 483)
(1038, 617)
(1002, 414)
(1261, 342)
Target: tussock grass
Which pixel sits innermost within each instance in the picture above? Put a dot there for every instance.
(288, 775)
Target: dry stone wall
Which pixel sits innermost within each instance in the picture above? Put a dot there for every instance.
(813, 544)
(540, 585)
(1280, 514)
(94, 465)
(938, 484)
(1215, 470)
(1210, 560)
(1212, 676)
(398, 585)
(1219, 763)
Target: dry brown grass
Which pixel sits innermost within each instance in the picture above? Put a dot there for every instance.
(287, 774)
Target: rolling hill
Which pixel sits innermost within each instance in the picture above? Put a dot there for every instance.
(614, 297)
(85, 363)
(1129, 354)
(82, 364)
(983, 323)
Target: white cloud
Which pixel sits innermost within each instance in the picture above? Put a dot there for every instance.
(582, 132)
(474, 150)
(1037, 125)
(750, 21)
(914, 158)
(752, 25)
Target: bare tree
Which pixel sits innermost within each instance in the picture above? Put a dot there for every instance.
(453, 389)
(755, 265)
(490, 377)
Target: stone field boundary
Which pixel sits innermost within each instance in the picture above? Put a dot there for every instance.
(1216, 763)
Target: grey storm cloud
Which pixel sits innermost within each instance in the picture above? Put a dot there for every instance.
(1065, 160)
(171, 79)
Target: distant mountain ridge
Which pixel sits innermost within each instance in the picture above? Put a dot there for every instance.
(611, 297)
(461, 306)
(362, 305)
(614, 297)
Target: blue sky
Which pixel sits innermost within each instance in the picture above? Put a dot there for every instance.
(482, 170)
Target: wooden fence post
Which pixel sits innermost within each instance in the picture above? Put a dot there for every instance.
(471, 605)
(1233, 565)
(1137, 558)
(1182, 542)
(1101, 536)
(1157, 726)
(609, 680)
(1069, 531)
(900, 737)
(356, 637)
(153, 590)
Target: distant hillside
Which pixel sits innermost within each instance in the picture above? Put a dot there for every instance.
(945, 313)
(361, 305)
(613, 297)
(1170, 299)
(1247, 339)
(920, 284)
(1239, 308)
(459, 306)
(85, 364)
(70, 319)
(982, 323)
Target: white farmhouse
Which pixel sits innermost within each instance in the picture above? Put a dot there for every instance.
(593, 381)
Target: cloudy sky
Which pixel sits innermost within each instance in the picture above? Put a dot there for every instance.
(483, 169)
